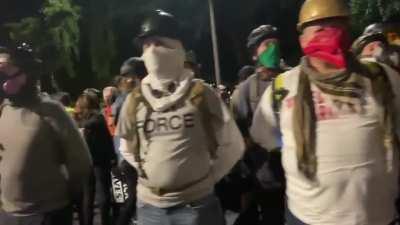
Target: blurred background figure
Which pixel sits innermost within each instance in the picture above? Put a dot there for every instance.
(65, 99)
(94, 129)
(373, 43)
(243, 74)
(124, 177)
(131, 72)
(109, 95)
(192, 64)
(223, 93)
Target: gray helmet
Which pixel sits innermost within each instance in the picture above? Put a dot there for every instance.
(245, 72)
(259, 34)
(159, 23)
(24, 57)
(373, 32)
(374, 28)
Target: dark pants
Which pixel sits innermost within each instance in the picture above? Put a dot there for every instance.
(127, 210)
(99, 186)
(103, 194)
(292, 219)
(57, 217)
(268, 189)
(85, 206)
(267, 207)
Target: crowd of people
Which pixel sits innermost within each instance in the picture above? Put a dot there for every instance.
(315, 144)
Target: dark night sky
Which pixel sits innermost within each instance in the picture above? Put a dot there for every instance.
(232, 26)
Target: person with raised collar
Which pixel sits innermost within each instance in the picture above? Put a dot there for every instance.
(176, 132)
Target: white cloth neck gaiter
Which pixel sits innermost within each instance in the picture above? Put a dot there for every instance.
(164, 64)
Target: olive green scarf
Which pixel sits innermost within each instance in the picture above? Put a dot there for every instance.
(344, 88)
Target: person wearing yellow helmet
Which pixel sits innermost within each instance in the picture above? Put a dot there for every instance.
(338, 153)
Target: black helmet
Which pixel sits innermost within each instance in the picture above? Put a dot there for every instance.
(159, 23)
(133, 66)
(23, 56)
(259, 34)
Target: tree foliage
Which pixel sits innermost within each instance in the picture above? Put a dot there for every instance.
(366, 12)
(389, 9)
(102, 30)
(55, 34)
(101, 36)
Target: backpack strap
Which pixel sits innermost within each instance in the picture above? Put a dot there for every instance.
(198, 99)
(278, 94)
(2, 104)
(373, 68)
(379, 77)
(135, 98)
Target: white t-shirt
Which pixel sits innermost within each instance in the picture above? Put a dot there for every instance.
(356, 180)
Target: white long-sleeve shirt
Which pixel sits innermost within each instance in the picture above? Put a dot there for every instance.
(356, 180)
(174, 148)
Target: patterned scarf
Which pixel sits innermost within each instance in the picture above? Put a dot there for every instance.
(343, 87)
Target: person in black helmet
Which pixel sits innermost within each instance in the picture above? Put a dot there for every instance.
(131, 72)
(192, 64)
(266, 173)
(263, 46)
(176, 132)
(44, 161)
(124, 175)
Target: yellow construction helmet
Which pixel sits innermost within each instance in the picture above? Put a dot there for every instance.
(322, 9)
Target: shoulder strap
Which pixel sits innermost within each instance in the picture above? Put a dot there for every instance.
(278, 94)
(371, 70)
(2, 104)
(380, 80)
(198, 99)
(135, 98)
(254, 87)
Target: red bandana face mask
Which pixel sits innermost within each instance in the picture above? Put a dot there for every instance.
(329, 45)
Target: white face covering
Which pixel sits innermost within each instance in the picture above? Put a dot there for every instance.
(165, 64)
